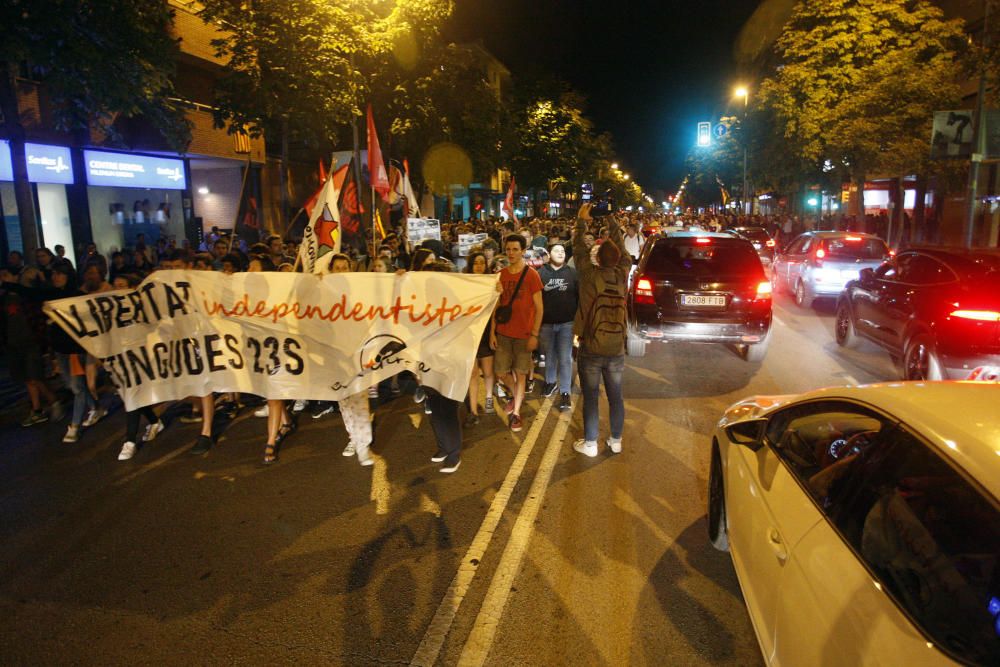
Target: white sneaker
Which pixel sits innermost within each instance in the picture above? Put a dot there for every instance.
(615, 445)
(152, 431)
(127, 452)
(365, 457)
(261, 411)
(452, 468)
(298, 406)
(373, 391)
(72, 434)
(349, 450)
(94, 416)
(586, 447)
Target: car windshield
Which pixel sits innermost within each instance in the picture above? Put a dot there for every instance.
(703, 259)
(855, 247)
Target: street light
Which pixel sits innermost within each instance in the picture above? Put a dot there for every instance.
(625, 176)
(614, 165)
(742, 91)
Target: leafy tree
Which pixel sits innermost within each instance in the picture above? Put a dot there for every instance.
(554, 141)
(97, 60)
(858, 82)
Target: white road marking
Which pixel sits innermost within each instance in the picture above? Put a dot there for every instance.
(430, 647)
(480, 641)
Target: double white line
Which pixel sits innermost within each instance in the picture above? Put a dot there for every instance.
(477, 647)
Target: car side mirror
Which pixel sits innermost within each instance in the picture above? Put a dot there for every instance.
(867, 276)
(748, 433)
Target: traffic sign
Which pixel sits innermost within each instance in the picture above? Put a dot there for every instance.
(704, 134)
(720, 131)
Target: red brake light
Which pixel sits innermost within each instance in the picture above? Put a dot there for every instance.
(770, 243)
(820, 253)
(892, 253)
(854, 238)
(979, 315)
(764, 290)
(644, 291)
(702, 239)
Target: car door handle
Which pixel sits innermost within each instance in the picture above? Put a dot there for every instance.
(777, 546)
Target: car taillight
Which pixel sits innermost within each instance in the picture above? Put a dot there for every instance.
(644, 291)
(770, 243)
(702, 239)
(764, 290)
(854, 238)
(978, 315)
(818, 256)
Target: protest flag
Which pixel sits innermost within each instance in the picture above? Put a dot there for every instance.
(351, 210)
(508, 202)
(376, 168)
(247, 225)
(410, 207)
(323, 234)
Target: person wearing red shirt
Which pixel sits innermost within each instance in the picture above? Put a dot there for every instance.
(516, 339)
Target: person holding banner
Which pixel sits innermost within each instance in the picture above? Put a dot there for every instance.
(484, 355)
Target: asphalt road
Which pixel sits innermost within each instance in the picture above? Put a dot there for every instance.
(528, 555)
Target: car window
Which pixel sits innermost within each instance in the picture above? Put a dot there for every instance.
(795, 247)
(822, 442)
(855, 247)
(915, 269)
(932, 539)
(688, 257)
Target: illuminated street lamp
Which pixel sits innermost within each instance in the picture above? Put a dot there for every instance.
(614, 165)
(625, 176)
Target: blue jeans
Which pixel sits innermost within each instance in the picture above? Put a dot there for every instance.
(557, 346)
(82, 400)
(592, 369)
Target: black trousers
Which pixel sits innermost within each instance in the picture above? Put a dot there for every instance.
(447, 428)
(132, 422)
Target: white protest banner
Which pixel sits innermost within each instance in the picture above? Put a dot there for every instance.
(421, 229)
(466, 241)
(281, 335)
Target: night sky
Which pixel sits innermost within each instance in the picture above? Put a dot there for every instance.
(650, 70)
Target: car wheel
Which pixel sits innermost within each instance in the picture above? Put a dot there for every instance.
(802, 298)
(635, 345)
(921, 361)
(718, 534)
(844, 327)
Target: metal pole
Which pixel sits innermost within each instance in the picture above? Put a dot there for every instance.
(746, 98)
(978, 136)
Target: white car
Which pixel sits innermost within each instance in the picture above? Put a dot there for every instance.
(863, 522)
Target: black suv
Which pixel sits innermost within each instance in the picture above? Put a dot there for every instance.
(700, 287)
(761, 240)
(936, 311)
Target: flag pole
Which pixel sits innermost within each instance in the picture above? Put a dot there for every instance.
(239, 207)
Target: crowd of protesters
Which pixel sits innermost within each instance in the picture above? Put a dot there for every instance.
(550, 272)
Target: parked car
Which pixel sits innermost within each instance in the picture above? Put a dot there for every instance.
(936, 311)
(819, 264)
(761, 240)
(702, 287)
(863, 522)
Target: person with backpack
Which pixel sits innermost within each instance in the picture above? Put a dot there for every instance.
(601, 328)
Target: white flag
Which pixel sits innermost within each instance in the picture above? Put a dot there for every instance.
(322, 235)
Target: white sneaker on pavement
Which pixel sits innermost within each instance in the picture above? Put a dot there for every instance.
(298, 406)
(72, 433)
(365, 457)
(261, 411)
(615, 445)
(94, 416)
(127, 452)
(586, 447)
(153, 430)
(349, 450)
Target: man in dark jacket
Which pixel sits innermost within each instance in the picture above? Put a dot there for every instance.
(602, 329)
